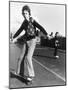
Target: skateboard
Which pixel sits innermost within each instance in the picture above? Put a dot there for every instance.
(23, 77)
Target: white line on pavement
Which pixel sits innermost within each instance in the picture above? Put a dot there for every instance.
(49, 70)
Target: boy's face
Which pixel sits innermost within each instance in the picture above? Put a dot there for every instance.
(57, 34)
(26, 14)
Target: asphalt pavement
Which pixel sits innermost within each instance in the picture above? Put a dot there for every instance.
(49, 71)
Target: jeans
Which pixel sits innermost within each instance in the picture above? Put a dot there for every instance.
(25, 58)
(55, 51)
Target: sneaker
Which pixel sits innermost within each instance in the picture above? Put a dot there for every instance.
(16, 74)
(57, 56)
(29, 79)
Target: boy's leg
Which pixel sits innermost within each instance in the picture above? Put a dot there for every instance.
(55, 51)
(20, 61)
(31, 48)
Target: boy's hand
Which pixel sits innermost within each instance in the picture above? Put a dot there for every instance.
(14, 40)
(49, 37)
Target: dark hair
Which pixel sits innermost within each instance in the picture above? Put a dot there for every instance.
(27, 9)
(56, 33)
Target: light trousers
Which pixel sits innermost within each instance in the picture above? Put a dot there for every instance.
(26, 58)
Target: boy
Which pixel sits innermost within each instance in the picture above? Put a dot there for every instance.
(56, 44)
(30, 37)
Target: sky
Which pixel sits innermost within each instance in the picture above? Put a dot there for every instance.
(50, 16)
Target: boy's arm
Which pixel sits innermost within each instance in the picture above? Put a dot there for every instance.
(19, 31)
(40, 27)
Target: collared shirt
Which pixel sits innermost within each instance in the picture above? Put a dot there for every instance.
(30, 29)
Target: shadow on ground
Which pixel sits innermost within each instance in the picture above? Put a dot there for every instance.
(12, 75)
(51, 57)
